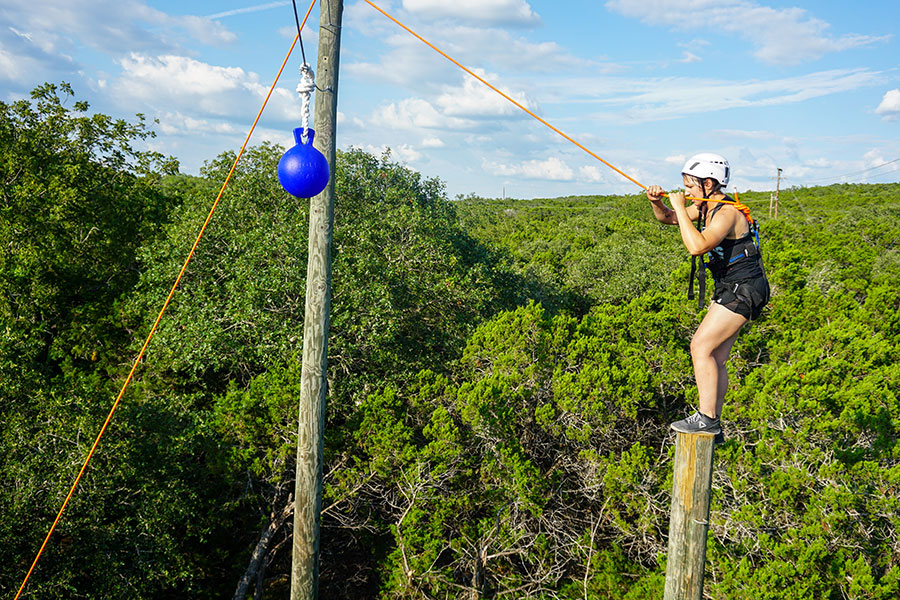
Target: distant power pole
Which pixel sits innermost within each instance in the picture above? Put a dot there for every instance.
(777, 186)
(313, 380)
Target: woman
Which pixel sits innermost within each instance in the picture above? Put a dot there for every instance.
(736, 265)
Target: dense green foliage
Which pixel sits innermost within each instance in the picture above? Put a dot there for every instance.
(594, 250)
(501, 379)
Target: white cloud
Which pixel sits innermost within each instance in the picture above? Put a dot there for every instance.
(660, 99)
(874, 158)
(48, 33)
(412, 65)
(28, 38)
(10, 65)
(476, 100)
(249, 9)
(676, 159)
(783, 36)
(415, 113)
(199, 89)
(346, 123)
(695, 43)
(404, 152)
(282, 137)
(409, 64)
(499, 49)
(591, 174)
(811, 167)
(889, 109)
(202, 28)
(690, 57)
(820, 163)
(29, 57)
(180, 124)
(111, 25)
(553, 169)
(178, 75)
(407, 153)
(744, 134)
(469, 107)
(495, 12)
(871, 167)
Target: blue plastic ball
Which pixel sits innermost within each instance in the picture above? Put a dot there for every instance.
(303, 170)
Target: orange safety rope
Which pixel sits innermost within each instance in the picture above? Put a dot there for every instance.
(564, 135)
(161, 312)
(742, 207)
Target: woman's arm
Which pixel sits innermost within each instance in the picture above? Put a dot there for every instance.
(695, 241)
(664, 214)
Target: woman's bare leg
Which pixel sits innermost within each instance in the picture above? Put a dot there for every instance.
(721, 355)
(710, 348)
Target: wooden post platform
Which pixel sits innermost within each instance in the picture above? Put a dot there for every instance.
(689, 519)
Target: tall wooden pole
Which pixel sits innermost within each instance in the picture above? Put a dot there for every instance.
(689, 519)
(313, 386)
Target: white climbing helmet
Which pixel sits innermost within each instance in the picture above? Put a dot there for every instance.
(708, 165)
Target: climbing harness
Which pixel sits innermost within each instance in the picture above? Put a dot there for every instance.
(730, 251)
(724, 256)
(701, 276)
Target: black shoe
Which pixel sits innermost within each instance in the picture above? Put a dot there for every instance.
(720, 438)
(698, 423)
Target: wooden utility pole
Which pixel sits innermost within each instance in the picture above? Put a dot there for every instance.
(689, 519)
(777, 187)
(313, 383)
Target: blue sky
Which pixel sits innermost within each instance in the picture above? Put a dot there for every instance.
(812, 88)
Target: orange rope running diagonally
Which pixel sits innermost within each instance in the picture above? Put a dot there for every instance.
(161, 312)
(482, 80)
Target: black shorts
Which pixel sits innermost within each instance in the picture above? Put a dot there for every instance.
(746, 298)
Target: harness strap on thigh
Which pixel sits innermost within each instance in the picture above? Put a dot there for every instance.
(701, 276)
(691, 279)
(701, 280)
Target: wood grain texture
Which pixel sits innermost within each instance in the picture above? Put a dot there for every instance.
(313, 385)
(689, 518)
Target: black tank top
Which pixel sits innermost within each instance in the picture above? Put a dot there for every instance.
(737, 260)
